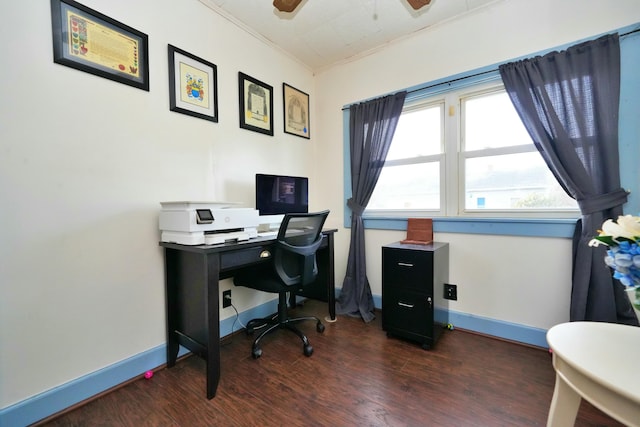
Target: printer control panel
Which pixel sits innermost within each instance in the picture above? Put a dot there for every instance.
(204, 216)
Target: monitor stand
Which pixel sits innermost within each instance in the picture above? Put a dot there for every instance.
(269, 223)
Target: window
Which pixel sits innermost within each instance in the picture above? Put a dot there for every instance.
(466, 153)
(503, 170)
(411, 177)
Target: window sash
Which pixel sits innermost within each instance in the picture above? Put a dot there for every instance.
(453, 158)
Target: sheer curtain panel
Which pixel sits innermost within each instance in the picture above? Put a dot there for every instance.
(371, 128)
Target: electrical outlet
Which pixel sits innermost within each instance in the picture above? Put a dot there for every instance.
(226, 298)
(450, 291)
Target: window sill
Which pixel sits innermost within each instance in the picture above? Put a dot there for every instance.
(496, 226)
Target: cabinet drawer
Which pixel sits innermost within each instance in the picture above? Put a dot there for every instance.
(406, 310)
(410, 269)
(244, 257)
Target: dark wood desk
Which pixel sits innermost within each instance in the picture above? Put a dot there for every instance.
(191, 278)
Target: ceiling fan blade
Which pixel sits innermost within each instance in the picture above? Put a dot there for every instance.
(287, 5)
(417, 4)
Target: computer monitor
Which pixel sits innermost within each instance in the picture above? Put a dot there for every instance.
(277, 195)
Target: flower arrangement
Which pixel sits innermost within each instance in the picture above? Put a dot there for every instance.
(622, 238)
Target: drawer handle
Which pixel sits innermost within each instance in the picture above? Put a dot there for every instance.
(402, 304)
(265, 254)
(405, 264)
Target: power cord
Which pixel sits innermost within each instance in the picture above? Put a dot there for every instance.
(237, 319)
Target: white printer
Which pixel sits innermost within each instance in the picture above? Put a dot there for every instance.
(206, 223)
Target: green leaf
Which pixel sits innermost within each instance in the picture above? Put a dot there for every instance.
(614, 241)
(607, 240)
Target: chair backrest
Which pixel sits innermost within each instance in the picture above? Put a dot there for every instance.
(299, 237)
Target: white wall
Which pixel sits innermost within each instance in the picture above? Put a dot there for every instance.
(512, 279)
(84, 163)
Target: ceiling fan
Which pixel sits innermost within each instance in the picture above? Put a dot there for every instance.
(290, 5)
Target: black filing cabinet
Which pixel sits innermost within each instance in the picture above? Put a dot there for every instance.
(410, 274)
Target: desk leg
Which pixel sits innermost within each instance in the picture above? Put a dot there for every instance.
(171, 283)
(331, 286)
(564, 405)
(213, 326)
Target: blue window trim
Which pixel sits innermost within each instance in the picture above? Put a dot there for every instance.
(498, 226)
(629, 132)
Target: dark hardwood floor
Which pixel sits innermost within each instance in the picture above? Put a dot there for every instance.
(356, 377)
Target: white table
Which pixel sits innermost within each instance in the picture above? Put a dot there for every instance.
(599, 362)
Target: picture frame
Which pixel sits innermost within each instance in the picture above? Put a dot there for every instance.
(193, 85)
(296, 111)
(256, 104)
(89, 41)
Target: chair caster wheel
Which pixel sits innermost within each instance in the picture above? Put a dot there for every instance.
(308, 350)
(256, 352)
(320, 327)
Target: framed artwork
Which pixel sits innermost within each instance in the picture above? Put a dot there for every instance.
(94, 43)
(256, 105)
(296, 111)
(193, 85)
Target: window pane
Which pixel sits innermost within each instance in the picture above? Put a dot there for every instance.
(418, 134)
(414, 186)
(490, 121)
(513, 181)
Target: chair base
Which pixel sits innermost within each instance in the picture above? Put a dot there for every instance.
(281, 321)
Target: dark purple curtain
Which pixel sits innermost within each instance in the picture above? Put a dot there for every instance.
(568, 101)
(371, 128)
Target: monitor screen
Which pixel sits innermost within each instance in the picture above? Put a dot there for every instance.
(279, 194)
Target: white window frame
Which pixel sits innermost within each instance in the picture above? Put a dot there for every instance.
(432, 158)
(452, 162)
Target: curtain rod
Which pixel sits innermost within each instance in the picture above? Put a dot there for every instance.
(488, 71)
(630, 32)
(473, 75)
(434, 85)
(454, 80)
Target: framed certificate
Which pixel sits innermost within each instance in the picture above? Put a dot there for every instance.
(94, 43)
(256, 105)
(296, 111)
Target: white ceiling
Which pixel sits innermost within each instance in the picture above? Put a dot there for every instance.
(320, 33)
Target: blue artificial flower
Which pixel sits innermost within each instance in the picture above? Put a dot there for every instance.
(623, 260)
(623, 254)
(624, 246)
(623, 278)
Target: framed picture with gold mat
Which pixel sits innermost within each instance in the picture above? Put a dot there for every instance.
(256, 104)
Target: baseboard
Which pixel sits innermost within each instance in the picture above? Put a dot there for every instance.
(58, 399)
(497, 328)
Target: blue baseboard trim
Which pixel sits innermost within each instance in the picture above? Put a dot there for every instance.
(59, 398)
(496, 328)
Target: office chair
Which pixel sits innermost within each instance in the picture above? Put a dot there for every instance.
(293, 267)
